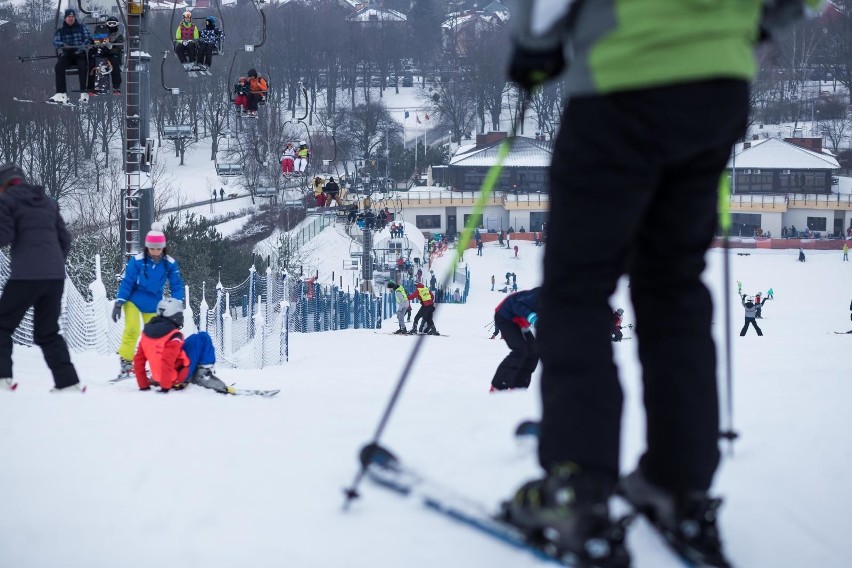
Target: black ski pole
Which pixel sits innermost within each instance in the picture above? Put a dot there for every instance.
(491, 178)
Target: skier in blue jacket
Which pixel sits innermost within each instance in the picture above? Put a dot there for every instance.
(514, 318)
(141, 290)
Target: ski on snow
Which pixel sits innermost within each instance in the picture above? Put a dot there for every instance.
(253, 392)
(385, 471)
(231, 390)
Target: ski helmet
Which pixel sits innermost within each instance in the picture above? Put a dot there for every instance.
(619, 311)
(172, 309)
(187, 15)
(211, 19)
(10, 172)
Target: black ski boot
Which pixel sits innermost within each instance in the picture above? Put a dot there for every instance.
(687, 522)
(568, 516)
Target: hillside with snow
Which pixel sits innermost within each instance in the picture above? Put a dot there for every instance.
(118, 477)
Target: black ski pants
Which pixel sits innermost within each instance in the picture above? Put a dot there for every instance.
(71, 58)
(427, 325)
(186, 53)
(515, 371)
(205, 54)
(753, 322)
(649, 163)
(45, 297)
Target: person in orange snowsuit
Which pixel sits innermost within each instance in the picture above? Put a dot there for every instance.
(172, 361)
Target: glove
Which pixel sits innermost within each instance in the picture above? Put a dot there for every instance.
(116, 311)
(532, 318)
(530, 69)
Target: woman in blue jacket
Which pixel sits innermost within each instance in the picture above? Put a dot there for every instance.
(141, 289)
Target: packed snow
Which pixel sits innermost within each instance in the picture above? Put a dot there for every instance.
(118, 477)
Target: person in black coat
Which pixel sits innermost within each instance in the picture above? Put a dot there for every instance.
(30, 222)
(513, 319)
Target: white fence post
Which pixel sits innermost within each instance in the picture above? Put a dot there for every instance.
(188, 317)
(203, 308)
(227, 331)
(101, 309)
(259, 323)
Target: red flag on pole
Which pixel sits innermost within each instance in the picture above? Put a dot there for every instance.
(417, 117)
(426, 116)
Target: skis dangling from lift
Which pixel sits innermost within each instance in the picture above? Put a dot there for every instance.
(69, 104)
(196, 70)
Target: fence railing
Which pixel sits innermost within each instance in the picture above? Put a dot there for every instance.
(249, 323)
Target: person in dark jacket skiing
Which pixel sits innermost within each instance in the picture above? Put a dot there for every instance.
(30, 222)
(750, 315)
(172, 361)
(72, 41)
(514, 318)
(658, 91)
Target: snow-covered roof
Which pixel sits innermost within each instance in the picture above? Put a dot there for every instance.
(524, 153)
(458, 20)
(374, 14)
(774, 154)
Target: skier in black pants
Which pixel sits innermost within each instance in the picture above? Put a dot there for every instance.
(750, 315)
(662, 110)
(514, 318)
(31, 223)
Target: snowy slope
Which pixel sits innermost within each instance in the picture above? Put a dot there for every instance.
(123, 478)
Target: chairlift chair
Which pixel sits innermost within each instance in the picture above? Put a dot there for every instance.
(177, 131)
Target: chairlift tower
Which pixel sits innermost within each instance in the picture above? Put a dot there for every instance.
(138, 199)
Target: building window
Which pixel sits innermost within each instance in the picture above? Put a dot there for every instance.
(816, 223)
(427, 221)
(753, 182)
(467, 218)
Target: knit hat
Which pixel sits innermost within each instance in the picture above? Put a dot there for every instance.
(9, 172)
(70, 12)
(155, 238)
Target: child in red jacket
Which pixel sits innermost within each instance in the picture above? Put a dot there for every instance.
(173, 362)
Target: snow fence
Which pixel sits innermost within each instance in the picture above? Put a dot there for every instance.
(249, 323)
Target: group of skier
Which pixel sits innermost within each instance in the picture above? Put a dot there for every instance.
(249, 92)
(163, 357)
(195, 48)
(92, 53)
(423, 318)
(294, 159)
(99, 52)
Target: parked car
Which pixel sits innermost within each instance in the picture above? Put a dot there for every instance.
(408, 81)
